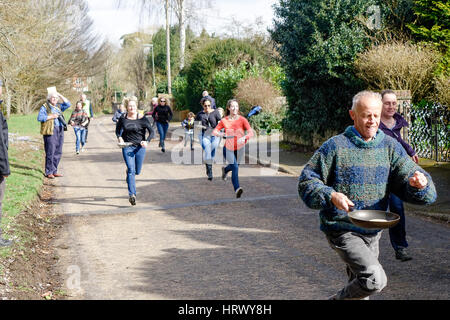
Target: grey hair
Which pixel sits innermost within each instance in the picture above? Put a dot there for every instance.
(366, 93)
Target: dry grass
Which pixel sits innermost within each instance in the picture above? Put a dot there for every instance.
(256, 91)
(399, 66)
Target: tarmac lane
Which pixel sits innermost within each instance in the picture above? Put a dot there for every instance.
(190, 238)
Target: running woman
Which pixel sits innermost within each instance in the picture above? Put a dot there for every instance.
(237, 133)
(130, 131)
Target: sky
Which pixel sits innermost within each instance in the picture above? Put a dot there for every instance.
(112, 22)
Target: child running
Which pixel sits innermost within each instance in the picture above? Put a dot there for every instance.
(237, 133)
(188, 125)
(130, 131)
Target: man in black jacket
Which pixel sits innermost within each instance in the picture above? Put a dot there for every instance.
(4, 165)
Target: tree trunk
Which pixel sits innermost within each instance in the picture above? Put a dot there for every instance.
(182, 23)
(169, 77)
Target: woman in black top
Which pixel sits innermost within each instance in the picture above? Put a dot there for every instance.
(130, 131)
(209, 118)
(162, 115)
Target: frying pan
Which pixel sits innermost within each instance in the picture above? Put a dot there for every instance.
(373, 219)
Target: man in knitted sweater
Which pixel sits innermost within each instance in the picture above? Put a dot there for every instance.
(358, 169)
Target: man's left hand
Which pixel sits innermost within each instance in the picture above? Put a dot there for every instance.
(418, 180)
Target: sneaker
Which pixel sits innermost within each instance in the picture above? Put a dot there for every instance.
(224, 174)
(5, 242)
(78, 152)
(132, 200)
(82, 149)
(239, 192)
(163, 150)
(402, 255)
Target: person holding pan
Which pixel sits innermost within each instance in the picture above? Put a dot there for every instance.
(358, 169)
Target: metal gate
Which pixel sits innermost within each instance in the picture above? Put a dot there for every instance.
(429, 130)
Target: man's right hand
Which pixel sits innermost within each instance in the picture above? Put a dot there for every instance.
(341, 201)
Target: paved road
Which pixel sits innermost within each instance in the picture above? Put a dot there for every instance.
(188, 238)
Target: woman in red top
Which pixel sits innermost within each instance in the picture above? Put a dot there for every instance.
(237, 132)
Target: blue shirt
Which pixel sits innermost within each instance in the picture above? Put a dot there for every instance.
(42, 115)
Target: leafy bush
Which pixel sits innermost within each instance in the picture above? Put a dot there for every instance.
(318, 42)
(267, 121)
(226, 80)
(256, 91)
(399, 66)
(179, 86)
(213, 56)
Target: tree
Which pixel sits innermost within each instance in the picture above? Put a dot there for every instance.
(432, 25)
(318, 41)
(54, 45)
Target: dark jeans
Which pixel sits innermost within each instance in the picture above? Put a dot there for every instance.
(53, 145)
(134, 159)
(162, 130)
(233, 158)
(397, 234)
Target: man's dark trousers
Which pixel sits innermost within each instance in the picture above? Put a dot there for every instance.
(53, 145)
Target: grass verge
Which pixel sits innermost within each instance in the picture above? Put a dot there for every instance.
(27, 217)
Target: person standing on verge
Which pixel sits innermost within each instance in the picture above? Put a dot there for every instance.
(87, 107)
(52, 129)
(131, 129)
(359, 169)
(391, 124)
(208, 119)
(237, 132)
(162, 115)
(4, 165)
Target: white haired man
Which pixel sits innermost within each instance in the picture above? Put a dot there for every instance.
(359, 169)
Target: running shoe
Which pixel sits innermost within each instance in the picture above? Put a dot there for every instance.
(224, 174)
(132, 200)
(239, 192)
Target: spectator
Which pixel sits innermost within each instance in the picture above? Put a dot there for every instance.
(4, 166)
(52, 128)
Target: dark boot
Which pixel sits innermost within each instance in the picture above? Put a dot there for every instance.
(209, 171)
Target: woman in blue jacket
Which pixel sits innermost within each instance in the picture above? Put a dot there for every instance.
(52, 128)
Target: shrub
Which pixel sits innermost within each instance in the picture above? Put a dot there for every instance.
(256, 91)
(399, 66)
(215, 55)
(179, 86)
(318, 42)
(442, 90)
(267, 121)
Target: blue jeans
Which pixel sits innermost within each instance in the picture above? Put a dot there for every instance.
(233, 158)
(162, 130)
(80, 134)
(209, 144)
(397, 234)
(134, 159)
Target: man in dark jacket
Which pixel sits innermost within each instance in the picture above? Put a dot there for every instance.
(4, 165)
(206, 95)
